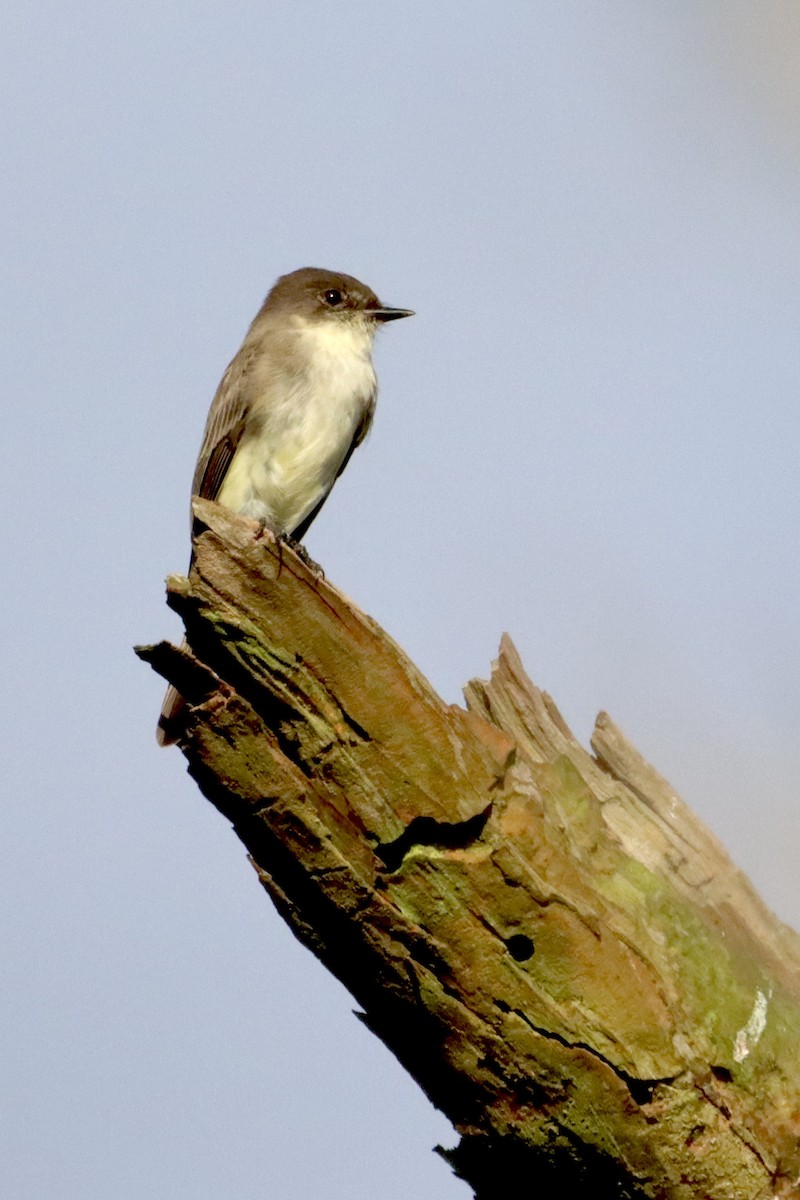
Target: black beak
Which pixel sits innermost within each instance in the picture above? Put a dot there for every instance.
(390, 314)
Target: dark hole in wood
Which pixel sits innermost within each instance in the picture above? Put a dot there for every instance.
(520, 947)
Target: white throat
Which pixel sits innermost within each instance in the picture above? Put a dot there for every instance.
(347, 343)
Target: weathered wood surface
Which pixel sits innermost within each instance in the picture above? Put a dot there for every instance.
(547, 939)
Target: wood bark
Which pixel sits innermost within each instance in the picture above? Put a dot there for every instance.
(546, 937)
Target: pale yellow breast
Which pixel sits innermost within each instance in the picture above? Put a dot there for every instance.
(308, 420)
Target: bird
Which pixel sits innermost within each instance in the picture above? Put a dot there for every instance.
(295, 401)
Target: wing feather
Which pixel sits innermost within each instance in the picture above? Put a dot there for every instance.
(226, 421)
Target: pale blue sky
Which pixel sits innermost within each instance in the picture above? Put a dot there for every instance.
(587, 436)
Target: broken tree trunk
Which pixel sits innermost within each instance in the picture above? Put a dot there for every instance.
(547, 939)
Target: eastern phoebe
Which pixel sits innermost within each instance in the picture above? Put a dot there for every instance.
(290, 410)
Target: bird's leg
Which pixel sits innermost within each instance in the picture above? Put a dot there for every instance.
(282, 538)
(277, 535)
(263, 529)
(302, 554)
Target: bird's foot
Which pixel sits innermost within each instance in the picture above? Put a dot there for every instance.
(282, 538)
(264, 529)
(301, 552)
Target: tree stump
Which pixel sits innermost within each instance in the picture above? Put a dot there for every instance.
(546, 938)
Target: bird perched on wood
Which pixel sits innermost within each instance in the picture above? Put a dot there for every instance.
(294, 403)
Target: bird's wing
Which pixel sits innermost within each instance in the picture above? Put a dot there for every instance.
(224, 428)
(225, 425)
(362, 429)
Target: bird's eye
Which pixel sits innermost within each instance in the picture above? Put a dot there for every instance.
(332, 297)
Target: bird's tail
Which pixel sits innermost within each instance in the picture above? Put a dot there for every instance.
(170, 723)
